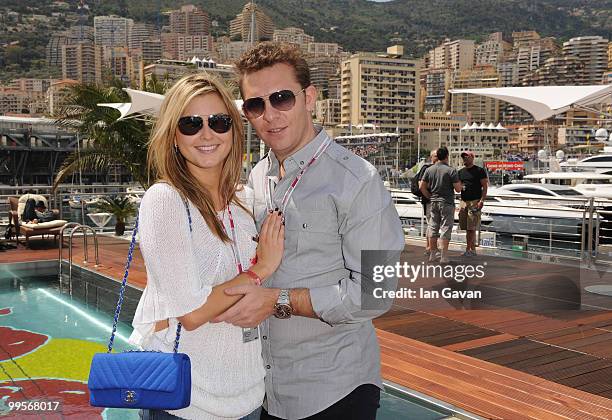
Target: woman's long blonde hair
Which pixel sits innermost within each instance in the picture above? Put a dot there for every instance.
(170, 166)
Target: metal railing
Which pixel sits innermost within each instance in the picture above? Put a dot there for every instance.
(575, 228)
(63, 197)
(61, 246)
(75, 227)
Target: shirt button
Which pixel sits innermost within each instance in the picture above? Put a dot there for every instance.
(268, 366)
(345, 157)
(265, 337)
(301, 162)
(305, 225)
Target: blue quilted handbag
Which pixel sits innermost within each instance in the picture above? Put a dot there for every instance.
(140, 379)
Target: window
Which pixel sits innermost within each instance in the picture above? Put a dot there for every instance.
(598, 181)
(569, 192)
(404, 201)
(597, 159)
(534, 191)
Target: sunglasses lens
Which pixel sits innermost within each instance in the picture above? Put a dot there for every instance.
(220, 123)
(283, 100)
(253, 107)
(190, 125)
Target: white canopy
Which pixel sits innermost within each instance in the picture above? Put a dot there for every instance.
(146, 103)
(142, 103)
(545, 101)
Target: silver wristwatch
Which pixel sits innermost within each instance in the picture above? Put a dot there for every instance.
(283, 309)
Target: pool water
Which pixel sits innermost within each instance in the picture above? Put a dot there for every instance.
(47, 341)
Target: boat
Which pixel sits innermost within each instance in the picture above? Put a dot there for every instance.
(505, 212)
(77, 202)
(601, 162)
(514, 212)
(588, 183)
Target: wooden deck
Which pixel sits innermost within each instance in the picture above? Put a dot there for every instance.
(536, 345)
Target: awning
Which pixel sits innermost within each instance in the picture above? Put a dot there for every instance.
(545, 101)
(144, 103)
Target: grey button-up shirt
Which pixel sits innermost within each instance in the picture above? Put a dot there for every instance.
(339, 208)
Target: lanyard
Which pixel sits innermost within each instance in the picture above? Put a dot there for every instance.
(296, 180)
(235, 249)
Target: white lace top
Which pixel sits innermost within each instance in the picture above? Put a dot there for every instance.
(227, 375)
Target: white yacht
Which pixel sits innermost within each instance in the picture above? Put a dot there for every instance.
(601, 163)
(590, 184)
(505, 212)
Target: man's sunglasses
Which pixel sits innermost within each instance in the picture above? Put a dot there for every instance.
(283, 100)
(190, 125)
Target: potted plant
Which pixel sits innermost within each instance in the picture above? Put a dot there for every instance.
(121, 207)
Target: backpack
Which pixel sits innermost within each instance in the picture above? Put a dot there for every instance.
(414, 183)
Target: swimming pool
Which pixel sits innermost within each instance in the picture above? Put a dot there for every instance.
(48, 337)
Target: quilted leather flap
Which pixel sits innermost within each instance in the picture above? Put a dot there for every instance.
(136, 370)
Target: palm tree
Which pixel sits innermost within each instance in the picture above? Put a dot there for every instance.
(121, 207)
(115, 141)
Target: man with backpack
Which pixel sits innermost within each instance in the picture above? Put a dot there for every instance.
(439, 184)
(415, 188)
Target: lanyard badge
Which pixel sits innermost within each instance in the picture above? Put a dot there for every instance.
(268, 188)
(248, 334)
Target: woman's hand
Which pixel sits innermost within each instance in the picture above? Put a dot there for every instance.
(270, 246)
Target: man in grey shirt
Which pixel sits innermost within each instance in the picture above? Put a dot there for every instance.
(319, 346)
(440, 182)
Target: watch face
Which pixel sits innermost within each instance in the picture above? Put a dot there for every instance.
(282, 311)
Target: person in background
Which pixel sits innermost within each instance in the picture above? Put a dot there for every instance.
(440, 182)
(473, 194)
(42, 214)
(433, 157)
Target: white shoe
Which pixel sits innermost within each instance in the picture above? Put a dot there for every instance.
(434, 256)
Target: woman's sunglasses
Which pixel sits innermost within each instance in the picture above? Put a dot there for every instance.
(190, 125)
(283, 100)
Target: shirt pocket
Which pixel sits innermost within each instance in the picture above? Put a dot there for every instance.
(319, 245)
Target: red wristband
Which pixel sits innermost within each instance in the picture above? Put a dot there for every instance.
(254, 276)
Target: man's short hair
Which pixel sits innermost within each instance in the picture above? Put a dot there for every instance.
(267, 54)
(41, 203)
(442, 153)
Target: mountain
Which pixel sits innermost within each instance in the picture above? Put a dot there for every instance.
(357, 25)
(420, 25)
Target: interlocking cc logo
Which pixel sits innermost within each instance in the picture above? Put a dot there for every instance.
(130, 397)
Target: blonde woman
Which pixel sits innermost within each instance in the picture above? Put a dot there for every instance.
(196, 237)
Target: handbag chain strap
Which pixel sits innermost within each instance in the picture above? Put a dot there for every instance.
(124, 282)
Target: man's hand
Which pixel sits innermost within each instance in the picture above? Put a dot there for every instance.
(256, 305)
(480, 204)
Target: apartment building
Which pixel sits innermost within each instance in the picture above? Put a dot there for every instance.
(592, 52)
(112, 31)
(240, 27)
(383, 90)
(478, 108)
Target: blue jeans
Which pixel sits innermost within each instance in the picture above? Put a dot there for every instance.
(164, 415)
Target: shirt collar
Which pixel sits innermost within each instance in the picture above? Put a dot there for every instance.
(299, 159)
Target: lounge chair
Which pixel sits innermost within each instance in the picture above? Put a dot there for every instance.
(17, 205)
